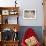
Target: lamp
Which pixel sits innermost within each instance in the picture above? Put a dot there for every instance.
(15, 30)
(15, 3)
(15, 37)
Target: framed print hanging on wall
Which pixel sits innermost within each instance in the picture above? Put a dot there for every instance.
(29, 14)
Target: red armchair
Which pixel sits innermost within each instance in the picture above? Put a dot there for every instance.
(29, 34)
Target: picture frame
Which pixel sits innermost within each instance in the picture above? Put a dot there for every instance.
(0, 36)
(5, 12)
(29, 14)
(0, 19)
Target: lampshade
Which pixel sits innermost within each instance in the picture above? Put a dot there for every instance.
(15, 30)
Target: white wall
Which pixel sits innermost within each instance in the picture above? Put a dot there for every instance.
(27, 4)
(32, 4)
(7, 3)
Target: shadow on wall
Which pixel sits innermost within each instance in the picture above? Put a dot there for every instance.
(37, 29)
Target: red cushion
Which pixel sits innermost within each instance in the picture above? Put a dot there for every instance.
(29, 33)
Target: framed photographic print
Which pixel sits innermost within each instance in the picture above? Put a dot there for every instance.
(29, 14)
(5, 12)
